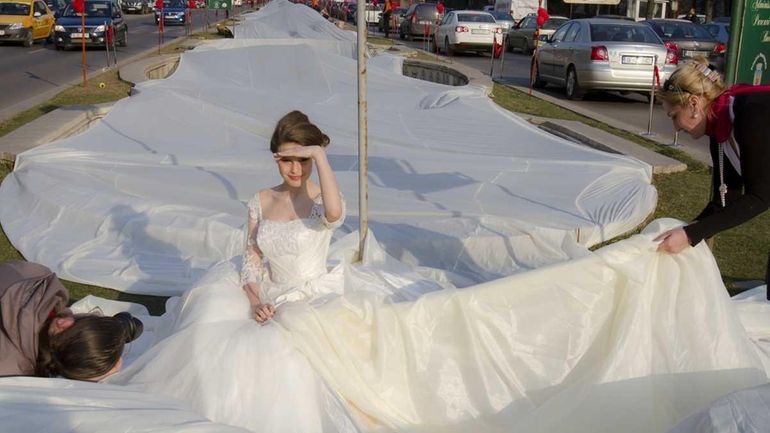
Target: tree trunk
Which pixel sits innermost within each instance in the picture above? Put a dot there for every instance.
(709, 10)
(650, 9)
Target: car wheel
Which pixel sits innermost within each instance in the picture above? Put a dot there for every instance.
(508, 46)
(448, 48)
(538, 82)
(124, 40)
(28, 40)
(526, 49)
(401, 34)
(49, 38)
(433, 45)
(573, 90)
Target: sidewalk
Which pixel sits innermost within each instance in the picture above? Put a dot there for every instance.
(71, 120)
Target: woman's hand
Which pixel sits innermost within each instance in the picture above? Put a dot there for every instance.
(300, 152)
(263, 312)
(673, 241)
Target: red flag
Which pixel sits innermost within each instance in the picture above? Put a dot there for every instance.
(110, 34)
(542, 16)
(79, 6)
(158, 4)
(191, 4)
(497, 49)
(656, 71)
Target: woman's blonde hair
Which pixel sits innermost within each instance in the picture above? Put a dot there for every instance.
(694, 77)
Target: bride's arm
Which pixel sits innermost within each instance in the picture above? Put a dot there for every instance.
(329, 189)
(253, 272)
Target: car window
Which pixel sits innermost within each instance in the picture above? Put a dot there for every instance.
(682, 30)
(531, 24)
(572, 32)
(40, 7)
(559, 35)
(93, 9)
(502, 16)
(553, 23)
(427, 12)
(623, 33)
(475, 18)
(14, 9)
(447, 18)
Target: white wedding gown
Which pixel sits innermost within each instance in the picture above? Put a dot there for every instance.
(624, 339)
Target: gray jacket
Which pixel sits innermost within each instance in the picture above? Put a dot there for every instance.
(29, 294)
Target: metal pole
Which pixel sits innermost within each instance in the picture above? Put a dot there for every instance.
(83, 43)
(676, 139)
(502, 56)
(363, 164)
(652, 97)
(492, 56)
(107, 44)
(736, 33)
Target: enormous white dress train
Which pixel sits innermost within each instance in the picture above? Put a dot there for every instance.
(625, 339)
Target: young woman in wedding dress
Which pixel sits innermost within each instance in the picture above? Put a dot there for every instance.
(625, 339)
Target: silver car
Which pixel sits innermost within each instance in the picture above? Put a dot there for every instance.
(603, 54)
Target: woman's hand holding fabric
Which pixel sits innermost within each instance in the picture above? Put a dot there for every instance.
(673, 241)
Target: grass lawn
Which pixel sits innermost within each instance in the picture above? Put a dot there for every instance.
(740, 252)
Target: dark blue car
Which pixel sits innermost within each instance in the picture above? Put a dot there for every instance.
(100, 15)
(174, 12)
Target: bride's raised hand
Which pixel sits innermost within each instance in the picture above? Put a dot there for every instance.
(263, 312)
(300, 152)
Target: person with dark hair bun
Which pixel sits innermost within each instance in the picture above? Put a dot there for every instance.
(41, 337)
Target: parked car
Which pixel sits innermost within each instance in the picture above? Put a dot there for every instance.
(57, 6)
(417, 17)
(466, 31)
(602, 54)
(701, 18)
(100, 15)
(396, 17)
(174, 12)
(522, 36)
(137, 6)
(688, 39)
(719, 30)
(25, 21)
(505, 20)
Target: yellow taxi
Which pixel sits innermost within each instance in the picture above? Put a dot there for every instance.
(25, 21)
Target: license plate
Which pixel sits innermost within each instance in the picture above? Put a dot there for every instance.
(690, 53)
(2, 32)
(479, 32)
(78, 35)
(424, 22)
(636, 60)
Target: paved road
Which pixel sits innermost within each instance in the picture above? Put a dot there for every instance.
(632, 109)
(29, 74)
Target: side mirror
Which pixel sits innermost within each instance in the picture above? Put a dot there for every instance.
(37, 15)
(544, 38)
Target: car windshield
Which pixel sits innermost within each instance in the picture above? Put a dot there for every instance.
(427, 12)
(93, 9)
(683, 30)
(623, 33)
(174, 4)
(502, 16)
(475, 18)
(14, 9)
(554, 23)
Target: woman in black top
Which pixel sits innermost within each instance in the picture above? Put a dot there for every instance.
(737, 124)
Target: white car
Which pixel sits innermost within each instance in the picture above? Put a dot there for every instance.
(466, 31)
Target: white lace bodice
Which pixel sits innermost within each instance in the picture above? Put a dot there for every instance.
(294, 253)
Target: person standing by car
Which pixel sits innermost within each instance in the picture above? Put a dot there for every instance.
(387, 11)
(692, 16)
(735, 120)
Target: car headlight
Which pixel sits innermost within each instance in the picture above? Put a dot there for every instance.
(58, 28)
(99, 29)
(15, 26)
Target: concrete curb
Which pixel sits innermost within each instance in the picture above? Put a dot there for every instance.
(68, 121)
(660, 139)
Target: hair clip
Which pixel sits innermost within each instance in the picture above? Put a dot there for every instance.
(707, 71)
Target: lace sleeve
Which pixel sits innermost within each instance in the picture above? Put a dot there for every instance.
(252, 268)
(319, 213)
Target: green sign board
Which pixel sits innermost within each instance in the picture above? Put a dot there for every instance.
(224, 4)
(753, 47)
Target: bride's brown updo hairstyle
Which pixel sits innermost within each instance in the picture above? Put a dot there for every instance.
(295, 127)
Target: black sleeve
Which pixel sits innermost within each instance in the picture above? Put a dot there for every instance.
(752, 133)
